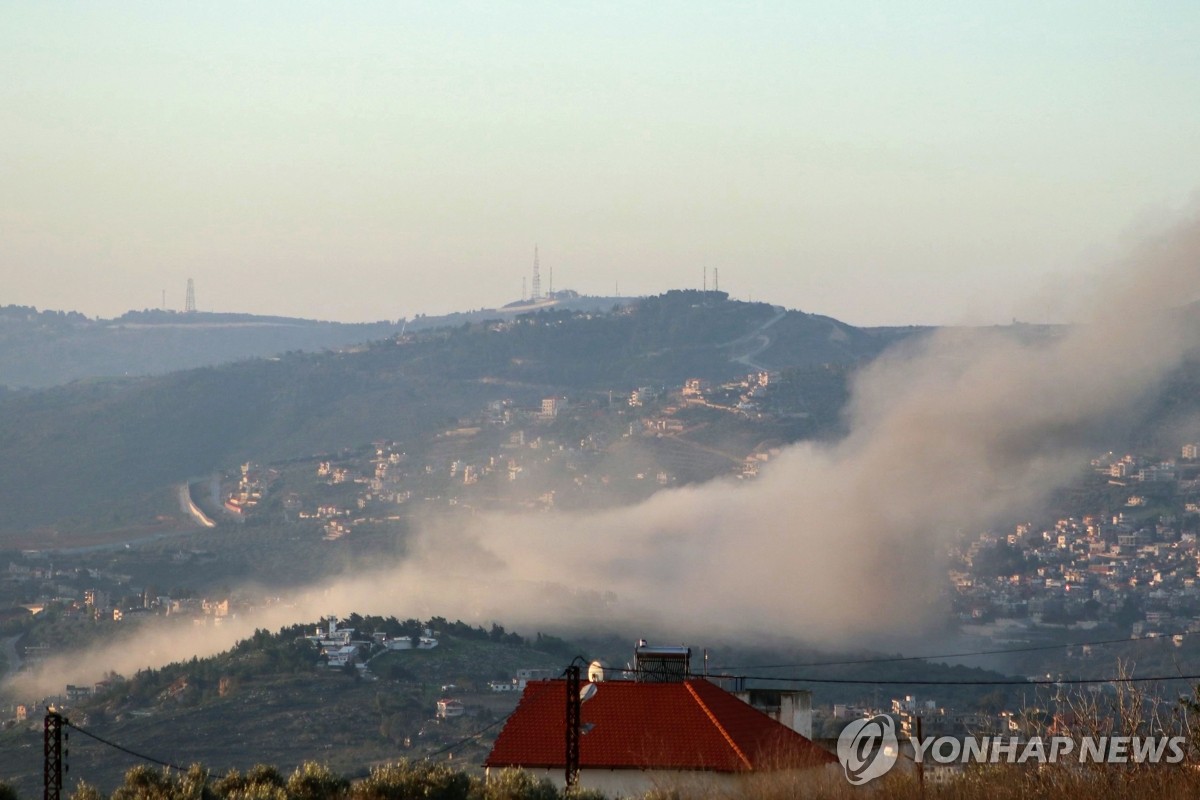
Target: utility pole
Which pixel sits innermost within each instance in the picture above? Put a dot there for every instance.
(920, 763)
(52, 767)
(574, 712)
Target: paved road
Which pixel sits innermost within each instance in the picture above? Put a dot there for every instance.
(188, 506)
(760, 338)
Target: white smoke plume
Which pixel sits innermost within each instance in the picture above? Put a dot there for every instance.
(831, 544)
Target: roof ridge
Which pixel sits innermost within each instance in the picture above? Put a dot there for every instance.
(716, 722)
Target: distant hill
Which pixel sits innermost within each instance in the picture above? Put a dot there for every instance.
(39, 349)
(71, 449)
(47, 348)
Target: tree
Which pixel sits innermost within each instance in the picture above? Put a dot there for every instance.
(313, 781)
(405, 779)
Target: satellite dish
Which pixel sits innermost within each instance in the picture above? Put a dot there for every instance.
(587, 693)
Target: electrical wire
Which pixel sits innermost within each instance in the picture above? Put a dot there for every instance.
(123, 749)
(895, 659)
(484, 730)
(982, 682)
(921, 682)
(472, 737)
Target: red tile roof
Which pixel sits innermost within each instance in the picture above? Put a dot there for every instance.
(691, 725)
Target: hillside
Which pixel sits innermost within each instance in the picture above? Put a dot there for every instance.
(40, 349)
(47, 348)
(95, 450)
(271, 699)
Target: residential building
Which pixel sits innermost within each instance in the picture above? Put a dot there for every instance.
(636, 736)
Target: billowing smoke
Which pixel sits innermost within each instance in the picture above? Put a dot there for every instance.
(831, 544)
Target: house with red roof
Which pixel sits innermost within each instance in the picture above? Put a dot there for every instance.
(636, 736)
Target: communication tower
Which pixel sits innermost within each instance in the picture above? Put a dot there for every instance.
(537, 278)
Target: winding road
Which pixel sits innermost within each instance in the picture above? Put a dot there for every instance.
(762, 340)
(188, 506)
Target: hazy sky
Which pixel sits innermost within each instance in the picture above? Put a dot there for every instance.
(890, 163)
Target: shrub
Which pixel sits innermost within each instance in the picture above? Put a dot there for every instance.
(83, 791)
(404, 779)
(312, 781)
(517, 784)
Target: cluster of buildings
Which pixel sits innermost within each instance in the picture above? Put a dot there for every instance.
(740, 396)
(524, 449)
(1138, 567)
(99, 594)
(340, 647)
(252, 481)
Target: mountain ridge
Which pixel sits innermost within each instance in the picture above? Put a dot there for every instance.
(73, 448)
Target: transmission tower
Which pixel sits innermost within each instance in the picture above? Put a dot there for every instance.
(52, 766)
(189, 304)
(537, 278)
(574, 702)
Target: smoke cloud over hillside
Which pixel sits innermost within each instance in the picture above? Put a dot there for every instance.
(831, 544)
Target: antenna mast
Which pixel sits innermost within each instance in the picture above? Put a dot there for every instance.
(537, 277)
(189, 304)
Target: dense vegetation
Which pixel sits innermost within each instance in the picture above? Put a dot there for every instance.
(405, 780)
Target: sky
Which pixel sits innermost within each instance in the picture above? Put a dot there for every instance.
(892, 163)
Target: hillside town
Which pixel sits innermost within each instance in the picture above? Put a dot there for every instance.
(1135, 567)
(562, 452)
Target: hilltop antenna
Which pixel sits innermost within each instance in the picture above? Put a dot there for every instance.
(189, 304)
(716, 279)
(706, 279)
(537, 277)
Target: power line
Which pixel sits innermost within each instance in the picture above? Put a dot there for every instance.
(477, 733)
(1003, 682)
(473, 736)
(123, 749)
(894, 659)
(924, 682)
